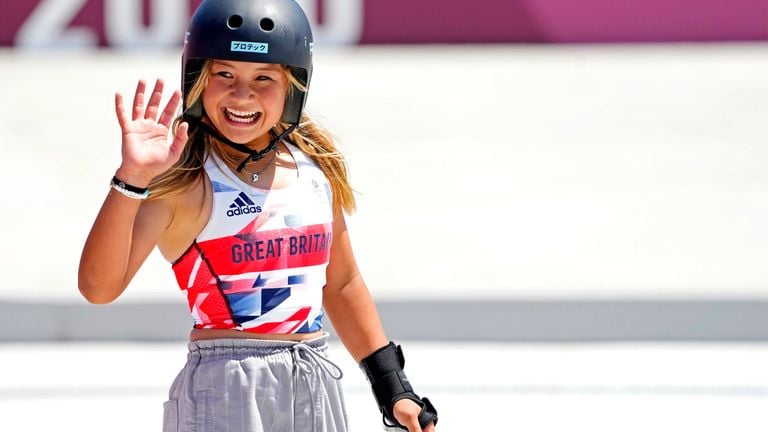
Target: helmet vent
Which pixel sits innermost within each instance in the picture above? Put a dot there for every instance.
(267, 24)
(234, 22)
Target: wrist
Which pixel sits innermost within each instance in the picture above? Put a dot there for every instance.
(384, 370)
(129, 190)
(136, 178)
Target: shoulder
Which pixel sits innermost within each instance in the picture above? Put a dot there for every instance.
(295, 150)
(185, 215)
(186, 205)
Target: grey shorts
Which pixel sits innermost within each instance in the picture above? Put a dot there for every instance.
(248, 385)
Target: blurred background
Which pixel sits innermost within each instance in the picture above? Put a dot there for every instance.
(562, 207)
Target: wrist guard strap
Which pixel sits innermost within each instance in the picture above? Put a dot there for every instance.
(384, 370)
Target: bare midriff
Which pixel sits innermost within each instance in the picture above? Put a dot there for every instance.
(201, 334)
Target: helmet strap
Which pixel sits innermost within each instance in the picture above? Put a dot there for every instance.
(253, 155)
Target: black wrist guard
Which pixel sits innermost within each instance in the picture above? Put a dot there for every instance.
(384, 370)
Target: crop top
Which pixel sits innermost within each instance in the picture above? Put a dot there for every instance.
(259, 263)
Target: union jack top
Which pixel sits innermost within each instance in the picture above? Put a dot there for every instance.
(259, 264)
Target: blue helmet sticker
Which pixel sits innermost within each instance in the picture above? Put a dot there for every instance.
(252, 47)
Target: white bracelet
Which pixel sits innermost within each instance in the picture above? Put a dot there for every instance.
(130, 194)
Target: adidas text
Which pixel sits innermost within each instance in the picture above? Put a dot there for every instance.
(243, 211)
(243, 205)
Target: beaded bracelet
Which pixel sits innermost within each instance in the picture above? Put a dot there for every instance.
(129, 190)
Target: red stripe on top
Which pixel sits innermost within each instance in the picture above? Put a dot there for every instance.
(263, 251)
(204, 294)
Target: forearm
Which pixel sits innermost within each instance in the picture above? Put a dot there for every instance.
(105, 257)
(355, 319)
(354, 316)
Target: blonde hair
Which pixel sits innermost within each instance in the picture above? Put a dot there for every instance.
(315, 141)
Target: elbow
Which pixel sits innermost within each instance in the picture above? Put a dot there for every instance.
(97, 299)
(96, 293)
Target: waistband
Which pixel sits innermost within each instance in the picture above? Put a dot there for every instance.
(211, 347)
(239, 349)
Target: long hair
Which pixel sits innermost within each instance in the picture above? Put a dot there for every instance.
(315, 141)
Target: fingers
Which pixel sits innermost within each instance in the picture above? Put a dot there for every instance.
(138, 100)
(122, 116)
(179, 140)
(407, 412)
(170, 109)
(413, 425)
(154, 101)
(151, 109)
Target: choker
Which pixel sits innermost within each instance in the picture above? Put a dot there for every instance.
(255, 175)
(253, 155)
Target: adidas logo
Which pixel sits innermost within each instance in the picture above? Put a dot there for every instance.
(242, 206)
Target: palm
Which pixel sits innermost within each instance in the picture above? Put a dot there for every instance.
(146, 148)
(145, 143)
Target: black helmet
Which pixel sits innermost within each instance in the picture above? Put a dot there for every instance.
(258, 31)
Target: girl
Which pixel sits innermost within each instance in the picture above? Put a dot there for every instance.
(247, 202)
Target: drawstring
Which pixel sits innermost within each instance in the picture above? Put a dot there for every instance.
(305, 365)
(308, 367)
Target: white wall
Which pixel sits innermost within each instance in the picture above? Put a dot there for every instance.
(489, 172)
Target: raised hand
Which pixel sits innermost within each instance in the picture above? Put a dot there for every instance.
(146, 150)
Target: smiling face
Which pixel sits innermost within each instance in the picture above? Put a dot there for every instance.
(245, 100)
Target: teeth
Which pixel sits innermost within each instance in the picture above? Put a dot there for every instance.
(240, 120)
(242, 113)
(241, 116)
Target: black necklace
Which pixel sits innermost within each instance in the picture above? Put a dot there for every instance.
(255, 175)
